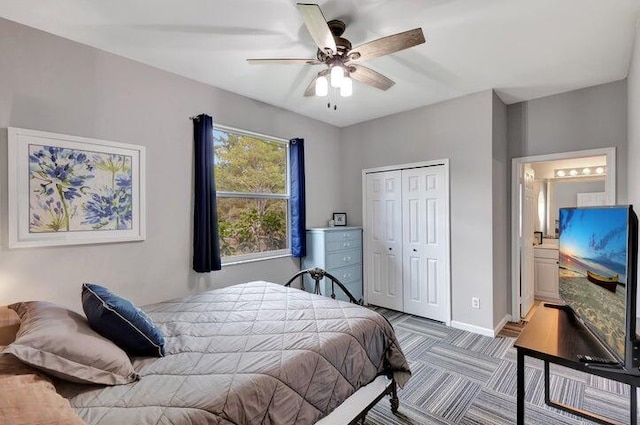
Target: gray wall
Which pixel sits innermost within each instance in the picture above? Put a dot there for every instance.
(590, 118)
(501, 213)
(461, 130)
(633, 158)
(52, 84)
(567, 192)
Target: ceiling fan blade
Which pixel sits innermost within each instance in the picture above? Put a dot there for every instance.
(283, 61)
(317, 26)
(385, 45)
(311, 88)
(370, 77)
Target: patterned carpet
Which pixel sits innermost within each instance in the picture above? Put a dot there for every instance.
(464, 378)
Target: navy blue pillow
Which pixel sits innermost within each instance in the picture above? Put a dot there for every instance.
(121, 321)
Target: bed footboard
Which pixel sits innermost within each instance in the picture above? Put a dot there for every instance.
(317, 274)
(354, 410)
(392, 391)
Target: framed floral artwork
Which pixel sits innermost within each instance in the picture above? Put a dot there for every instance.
(69, 190)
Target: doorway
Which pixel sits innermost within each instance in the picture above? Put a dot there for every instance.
(521, 280)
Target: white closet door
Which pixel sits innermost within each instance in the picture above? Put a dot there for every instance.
(425, 242)
(383, 274)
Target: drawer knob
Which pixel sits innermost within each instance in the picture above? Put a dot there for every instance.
(346, 244)
(345, 259)
(346, 275)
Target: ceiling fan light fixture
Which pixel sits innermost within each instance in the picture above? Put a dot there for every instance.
(322, 86)
(337, 75)
(346, 88)
(336, 52)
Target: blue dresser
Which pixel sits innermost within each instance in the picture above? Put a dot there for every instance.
(337, 250)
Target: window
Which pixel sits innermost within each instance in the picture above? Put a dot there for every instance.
(252, 183)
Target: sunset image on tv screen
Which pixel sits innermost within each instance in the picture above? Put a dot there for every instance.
(593, 269)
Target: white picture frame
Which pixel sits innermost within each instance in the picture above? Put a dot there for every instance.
(70, 190)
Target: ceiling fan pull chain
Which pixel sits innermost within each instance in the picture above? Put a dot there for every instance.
(333, 97)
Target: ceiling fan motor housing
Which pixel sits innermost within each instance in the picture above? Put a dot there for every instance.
(344, 46)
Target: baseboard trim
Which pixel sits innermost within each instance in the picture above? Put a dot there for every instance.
(472, 328)
(500, 325)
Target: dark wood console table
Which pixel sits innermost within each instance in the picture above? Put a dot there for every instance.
(554, 336)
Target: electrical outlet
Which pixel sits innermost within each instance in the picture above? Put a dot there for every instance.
(475, 302)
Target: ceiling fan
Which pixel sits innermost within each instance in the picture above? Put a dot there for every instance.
(343, 61)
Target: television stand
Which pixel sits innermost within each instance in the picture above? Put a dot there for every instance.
(554, 336)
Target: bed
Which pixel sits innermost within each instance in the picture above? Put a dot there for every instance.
(253, 353)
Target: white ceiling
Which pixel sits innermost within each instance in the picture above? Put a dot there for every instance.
(522, 48)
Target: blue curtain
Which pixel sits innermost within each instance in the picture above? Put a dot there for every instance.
(298, 234)
(206, 244)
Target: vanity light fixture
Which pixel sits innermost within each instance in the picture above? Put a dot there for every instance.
(575, 172)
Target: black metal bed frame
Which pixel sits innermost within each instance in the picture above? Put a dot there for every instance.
(392, 391)
(317, 274)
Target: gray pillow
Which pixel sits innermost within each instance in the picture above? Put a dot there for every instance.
(61, 343)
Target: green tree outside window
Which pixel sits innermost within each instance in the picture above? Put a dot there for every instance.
(251, 180)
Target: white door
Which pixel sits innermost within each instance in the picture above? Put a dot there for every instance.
(527, 287)
(383, 239)
(425, 244)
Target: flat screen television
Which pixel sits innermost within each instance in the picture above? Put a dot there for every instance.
(597, 275)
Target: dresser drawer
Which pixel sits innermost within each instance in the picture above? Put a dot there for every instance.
(347, 274)
(341, 245)
(345, 235)
(343, 258)
(545, 253)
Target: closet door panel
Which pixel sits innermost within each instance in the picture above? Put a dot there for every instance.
(424, 251)
(383, 240)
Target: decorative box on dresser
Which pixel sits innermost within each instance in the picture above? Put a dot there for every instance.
(337, 250)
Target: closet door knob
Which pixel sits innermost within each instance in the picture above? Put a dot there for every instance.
(390, 249)
(415, 250)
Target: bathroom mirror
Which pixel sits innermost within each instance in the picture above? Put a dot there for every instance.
(567, 183)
